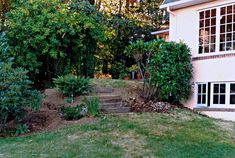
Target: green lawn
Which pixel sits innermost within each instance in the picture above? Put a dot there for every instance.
(180, 134)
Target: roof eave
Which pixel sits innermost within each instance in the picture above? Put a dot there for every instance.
(183, 4)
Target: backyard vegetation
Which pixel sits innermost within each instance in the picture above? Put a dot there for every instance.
(175, 135)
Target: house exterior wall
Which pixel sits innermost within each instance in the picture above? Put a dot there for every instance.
(184, 26)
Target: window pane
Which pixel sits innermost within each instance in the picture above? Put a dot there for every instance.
(222, 20)
(232, 88)
(206, 49)
(203, 99)
(213, 12)
(201, 15)
(232, 99)
(208, 14)
(213, 38)
(202, 23)
(207, 23)
(222, 29)
(213, 30)
(213, 21)
(215, 99)
(233, 17)
(223, 10)
(229, 37)
(200, 49)
(199, 99)
(222, 38)
(204, 88)
(216, 88)
(222, 88)
(229, 28)
(222, 99)
(199, 88)
(222, 47)
(229, 46)
(229, 18)
(229, 9)
(212, 48)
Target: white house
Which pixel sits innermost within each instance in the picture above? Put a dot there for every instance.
(208, 28)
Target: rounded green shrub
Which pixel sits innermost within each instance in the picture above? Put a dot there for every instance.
(171, 71)
(71, 85)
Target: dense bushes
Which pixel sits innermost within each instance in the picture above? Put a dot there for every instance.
(171, 71)
(16, 94)
(54, 37)
(169, 66)
(72, 85)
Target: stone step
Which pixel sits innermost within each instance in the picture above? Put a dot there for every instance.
(111, 100)
(107, 96)
(117, 110)
(111, 105)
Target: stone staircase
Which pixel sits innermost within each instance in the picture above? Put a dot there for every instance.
(111, 103)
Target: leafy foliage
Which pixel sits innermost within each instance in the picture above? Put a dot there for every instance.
(93, 105)
(74, 112)
(22, 129)
(72, 85)
(171, 71)
(51, 37)
(16, 94)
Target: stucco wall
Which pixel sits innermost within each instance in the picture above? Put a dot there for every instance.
(184, 27)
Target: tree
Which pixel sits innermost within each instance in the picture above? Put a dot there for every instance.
(50, 37)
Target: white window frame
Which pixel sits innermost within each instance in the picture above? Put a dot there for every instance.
(196, 94)
(217, 46)
(227, 96)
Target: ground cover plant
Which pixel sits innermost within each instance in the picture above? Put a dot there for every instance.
(181, 132)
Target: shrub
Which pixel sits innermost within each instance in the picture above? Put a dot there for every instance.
(16, 94)
(74, 113)
(93, 105)
(71, 85)
(22, 129)
(171, 71)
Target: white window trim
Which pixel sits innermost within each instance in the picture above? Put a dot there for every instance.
(227, 96)
(196, 94)
(217, 45)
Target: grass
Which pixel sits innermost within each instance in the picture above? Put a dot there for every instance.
(114, 83)
(180, 134)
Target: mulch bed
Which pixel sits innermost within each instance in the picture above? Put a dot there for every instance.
(150, 106)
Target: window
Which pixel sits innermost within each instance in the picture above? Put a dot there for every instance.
(232, 93)
(227, 28)
(207, 31)
(225, 17)
(201, 94)
(219, 93)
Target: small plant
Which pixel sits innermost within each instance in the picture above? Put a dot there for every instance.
(74, 113)
(93, 105)
(22, 129)
(72, 85)
(133, 68)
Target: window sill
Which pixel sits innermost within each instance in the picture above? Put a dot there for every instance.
(225, 109)
(213, 56)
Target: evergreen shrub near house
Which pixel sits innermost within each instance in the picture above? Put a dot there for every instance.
(171, 71)
(71, 85)
(16, 95)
